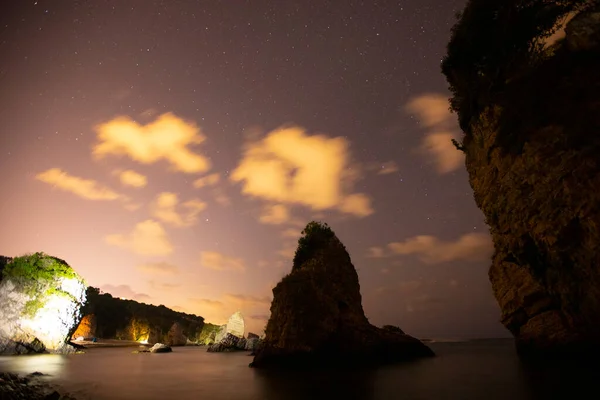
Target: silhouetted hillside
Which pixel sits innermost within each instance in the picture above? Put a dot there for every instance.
(130, 320)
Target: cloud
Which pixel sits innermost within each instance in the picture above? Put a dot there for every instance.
(433, 112)
(159, 268)
(289, 166)
(248, 300)
(275, 214)
(147, 238)
(376, 252)
(262, 317)
(291, 233)
(125, 292)
(357, 204)
(208, 180)
(208, 303)
(431, 250)
(162, 286)
(288, 251)
(84, 188)
(384, 168)
(388, 168)
(221, 198)
(166, 138)
(132, 178)
(165, 208)
(221, 262)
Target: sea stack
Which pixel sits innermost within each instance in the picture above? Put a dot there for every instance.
(528, 103)
(317, 317)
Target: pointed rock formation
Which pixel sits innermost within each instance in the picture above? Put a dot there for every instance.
(317, 316)
(531, 117)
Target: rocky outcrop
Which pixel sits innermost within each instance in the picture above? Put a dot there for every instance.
(317, 316)
(28, 387)
(175, 337)
(532, 158)
(86, 328)
(40, 304)
(229, 342)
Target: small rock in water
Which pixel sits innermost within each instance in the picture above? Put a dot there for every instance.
(160, 348)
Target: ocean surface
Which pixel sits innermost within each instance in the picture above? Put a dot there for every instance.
(481, 369)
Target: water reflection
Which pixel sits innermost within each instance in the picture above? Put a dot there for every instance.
(302, 385)
(48, 364)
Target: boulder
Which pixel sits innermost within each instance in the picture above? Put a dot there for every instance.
(160, 348)
(40, 305)
(317, 317)
(228, 343)
(531, 151)
(252, 343)
(241, 344)
(252, 335)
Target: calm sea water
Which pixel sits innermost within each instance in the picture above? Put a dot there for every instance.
(487, 369)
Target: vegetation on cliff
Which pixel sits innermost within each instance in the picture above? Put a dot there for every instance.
(130, 320)
(496, 46)
(39, 274)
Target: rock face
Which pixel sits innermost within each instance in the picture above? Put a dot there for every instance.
(228, 343)
(40, 302)
(533, 164)
(175, 337)
(235, 325)
(86, 328)
(317, 316)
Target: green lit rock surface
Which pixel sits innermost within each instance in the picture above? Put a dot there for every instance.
(40, 304)
(317, 317)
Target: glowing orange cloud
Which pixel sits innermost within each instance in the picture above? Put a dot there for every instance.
(289, 166)
(433, 112)
(165, 207)
(85, 188)
(167, 138)
(147, 238)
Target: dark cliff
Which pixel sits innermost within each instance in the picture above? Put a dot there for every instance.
(317, 317)
(531, 116)
(130, 320)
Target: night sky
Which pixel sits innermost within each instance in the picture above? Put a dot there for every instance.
(172, 151)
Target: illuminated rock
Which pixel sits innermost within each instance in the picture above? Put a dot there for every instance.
(160, 348)
(86, 328)
(40, 302)
(235, 325)
(229, 342)
(317, 316)
(220, 333)
(175, 337)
